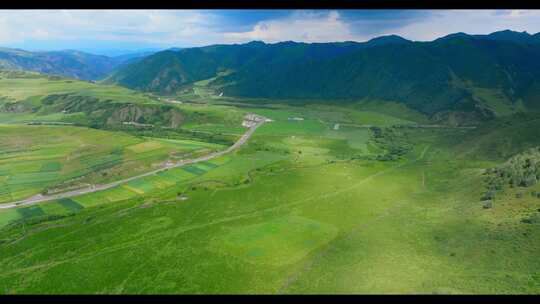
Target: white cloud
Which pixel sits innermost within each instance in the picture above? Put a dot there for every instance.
(300, 26)
(167, 28)
(159, 27)
(442, 23)
(186, 28)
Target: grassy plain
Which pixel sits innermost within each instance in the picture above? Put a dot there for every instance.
(32, 87)
(303, 207)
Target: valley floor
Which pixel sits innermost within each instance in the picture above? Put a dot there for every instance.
(302, 207)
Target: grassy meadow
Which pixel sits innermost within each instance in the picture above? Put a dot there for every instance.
(304, 207)
(15, 86)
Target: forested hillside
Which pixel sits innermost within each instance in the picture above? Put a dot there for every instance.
(482, 75)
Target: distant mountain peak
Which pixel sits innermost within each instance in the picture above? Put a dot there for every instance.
(256, 43)
(509, 32)
(387, 39)
(457, 35)
(509, 35)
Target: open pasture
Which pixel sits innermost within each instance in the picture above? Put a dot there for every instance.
(269, 219)
(280, 241)
(32, 89)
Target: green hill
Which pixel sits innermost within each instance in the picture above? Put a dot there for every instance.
(34, 98)
(479, 76)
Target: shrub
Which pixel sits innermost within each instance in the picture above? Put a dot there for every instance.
(529, 180)
(527, 221)
(489, 195)
(522, 170)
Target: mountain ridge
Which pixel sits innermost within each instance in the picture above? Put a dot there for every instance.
(486, 75)
(69, 63)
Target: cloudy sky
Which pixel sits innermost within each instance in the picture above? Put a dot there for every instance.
(110, 31)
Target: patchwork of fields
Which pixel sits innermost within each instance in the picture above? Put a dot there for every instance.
(34, 159)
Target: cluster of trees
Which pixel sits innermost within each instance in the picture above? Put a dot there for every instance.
(261, 146)
(392, 141)
(522, 170)
(217, 138)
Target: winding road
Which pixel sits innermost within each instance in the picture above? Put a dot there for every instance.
(44, 198)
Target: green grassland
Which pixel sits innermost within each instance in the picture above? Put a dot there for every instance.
(34, 98)
(32, 86)
(301, 208)
(324, 204)
(392, 109)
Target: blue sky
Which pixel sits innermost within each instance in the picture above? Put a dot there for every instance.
(119, 31)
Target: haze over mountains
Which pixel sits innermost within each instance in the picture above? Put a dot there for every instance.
(479, 75)
(70, 63)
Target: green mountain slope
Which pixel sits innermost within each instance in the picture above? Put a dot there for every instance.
(480, 76)
(33, 98)
(169, 70)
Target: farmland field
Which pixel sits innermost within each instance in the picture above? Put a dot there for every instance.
(36, 158)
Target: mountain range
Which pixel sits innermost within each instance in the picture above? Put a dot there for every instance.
(485, 75)
(69, 63)
(476, 76)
